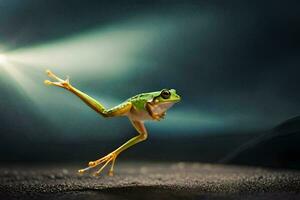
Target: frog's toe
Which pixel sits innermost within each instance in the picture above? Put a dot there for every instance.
(47, 82)
(59, 82)
(53, 76)
(81, 171)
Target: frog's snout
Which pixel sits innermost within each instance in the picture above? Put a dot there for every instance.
(178, 97)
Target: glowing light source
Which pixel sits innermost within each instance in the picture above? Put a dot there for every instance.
(3, 59)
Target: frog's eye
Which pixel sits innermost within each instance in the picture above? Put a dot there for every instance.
(165, 94)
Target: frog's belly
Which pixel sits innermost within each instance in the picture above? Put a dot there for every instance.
(139, 115)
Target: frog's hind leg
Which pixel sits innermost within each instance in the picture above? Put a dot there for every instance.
(111, 157)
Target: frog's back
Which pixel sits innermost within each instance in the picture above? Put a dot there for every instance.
(140, 100)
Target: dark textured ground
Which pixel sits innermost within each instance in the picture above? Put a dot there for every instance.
(139, 180)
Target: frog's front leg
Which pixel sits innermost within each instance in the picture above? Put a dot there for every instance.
(157, 117)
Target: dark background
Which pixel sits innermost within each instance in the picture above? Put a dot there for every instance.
(235, 64)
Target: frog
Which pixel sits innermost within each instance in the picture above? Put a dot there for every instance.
(138, 109)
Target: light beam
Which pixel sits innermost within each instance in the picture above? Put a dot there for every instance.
(3, 59)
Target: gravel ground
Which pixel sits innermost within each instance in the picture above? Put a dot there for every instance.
(141, 180)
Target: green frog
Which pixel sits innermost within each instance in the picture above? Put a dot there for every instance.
(139, 108)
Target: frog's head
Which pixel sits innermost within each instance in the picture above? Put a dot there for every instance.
(163, 100)
(166, 96)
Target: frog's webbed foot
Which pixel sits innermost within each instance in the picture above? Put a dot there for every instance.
(159, 117)
(111, 157)
(59, 82)
(163, 115)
